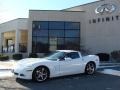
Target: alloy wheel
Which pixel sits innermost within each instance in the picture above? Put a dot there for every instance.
(90, 68)
(41, 74)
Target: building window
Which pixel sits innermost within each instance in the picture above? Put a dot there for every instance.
(73, 43)
(8, 41)
(56, 25)
(72, 26)
(72, 33)
(40, 25)
(39, 44)
(56, 33)
(23, 41)
(52, 35)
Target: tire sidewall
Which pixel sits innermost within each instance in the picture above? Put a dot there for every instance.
(86, 68)
(34, 72)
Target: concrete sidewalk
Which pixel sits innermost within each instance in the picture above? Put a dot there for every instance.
(7, 65)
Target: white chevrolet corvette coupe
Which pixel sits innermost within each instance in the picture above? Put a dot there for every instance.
(58, 63)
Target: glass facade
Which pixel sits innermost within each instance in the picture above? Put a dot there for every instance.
(51, 35)
(23, 41)
(8, 42)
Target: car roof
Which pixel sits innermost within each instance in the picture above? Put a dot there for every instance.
(67, 50)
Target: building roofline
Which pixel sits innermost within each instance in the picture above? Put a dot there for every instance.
(42, 10)
(57, 10)
(83, 4)
(12, 20)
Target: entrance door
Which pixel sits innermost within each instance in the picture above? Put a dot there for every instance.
(10, 45)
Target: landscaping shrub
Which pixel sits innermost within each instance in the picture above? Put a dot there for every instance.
(33, 55)
(17, 56)
(4, 57)
(103, 56)
(116, 55)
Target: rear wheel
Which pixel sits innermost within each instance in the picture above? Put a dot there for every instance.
(90, 68)
(40, 74)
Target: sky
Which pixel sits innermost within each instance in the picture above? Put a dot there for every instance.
(12, 9)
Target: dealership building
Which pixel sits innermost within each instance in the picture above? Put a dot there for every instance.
(94, 27)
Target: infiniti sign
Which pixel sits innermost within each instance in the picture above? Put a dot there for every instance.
(105, 8)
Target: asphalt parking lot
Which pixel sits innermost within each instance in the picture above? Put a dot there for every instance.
(97, 81)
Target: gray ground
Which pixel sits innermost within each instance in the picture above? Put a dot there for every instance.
(76, 82)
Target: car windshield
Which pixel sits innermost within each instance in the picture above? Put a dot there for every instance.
(55, 55)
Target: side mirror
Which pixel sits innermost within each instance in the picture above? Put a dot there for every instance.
(67, 59)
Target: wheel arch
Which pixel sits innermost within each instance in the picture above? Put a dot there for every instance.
(91, 62)
(88, 63)
(44, 67)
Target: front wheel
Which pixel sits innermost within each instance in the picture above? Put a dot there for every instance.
(90, 68)
(40, 74)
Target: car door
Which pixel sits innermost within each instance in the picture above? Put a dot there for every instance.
(72, 64)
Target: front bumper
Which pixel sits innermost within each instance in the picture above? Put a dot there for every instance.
(23, 74)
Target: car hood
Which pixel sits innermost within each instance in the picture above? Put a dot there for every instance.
(30, 61)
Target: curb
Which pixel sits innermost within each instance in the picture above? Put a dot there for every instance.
(100, 67)
(109, 64)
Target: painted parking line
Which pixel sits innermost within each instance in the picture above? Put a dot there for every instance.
(111, 72)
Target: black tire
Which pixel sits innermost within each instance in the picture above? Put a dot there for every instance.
(90, 68)
(40, 74)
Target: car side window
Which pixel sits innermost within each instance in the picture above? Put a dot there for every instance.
(73, 55)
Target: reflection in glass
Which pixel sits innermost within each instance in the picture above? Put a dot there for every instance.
(56, 33)
(66, 35)
(41, 32)
(40, 25)
(72, 25)
(72, 33)
(42, 44)
(54, 25)
(72, 43)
